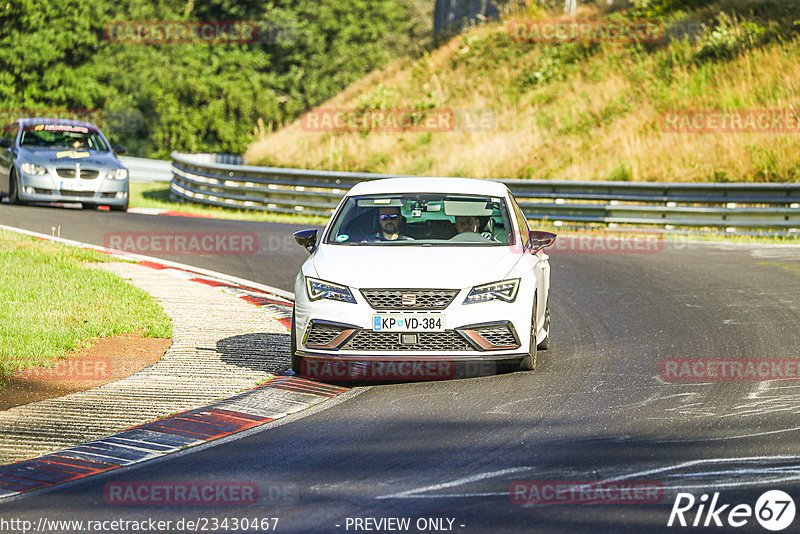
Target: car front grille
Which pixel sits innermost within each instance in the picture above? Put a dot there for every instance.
(449, 340)
(423, 299)
(86, 174)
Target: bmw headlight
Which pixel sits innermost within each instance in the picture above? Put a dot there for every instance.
(30, 168)
(117, 174)
(505, 290)
(320, 289)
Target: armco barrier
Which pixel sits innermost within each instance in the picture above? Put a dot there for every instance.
(205, 179)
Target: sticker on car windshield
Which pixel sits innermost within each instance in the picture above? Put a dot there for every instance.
(59, 128)
(342, 237)
(408, 323)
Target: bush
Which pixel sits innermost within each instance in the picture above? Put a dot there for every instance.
(729, 38)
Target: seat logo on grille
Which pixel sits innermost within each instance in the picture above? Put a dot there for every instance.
(409, 299)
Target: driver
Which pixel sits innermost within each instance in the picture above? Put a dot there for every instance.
(390, 221)
(468, 224)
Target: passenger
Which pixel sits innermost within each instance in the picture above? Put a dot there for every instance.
(467, 225)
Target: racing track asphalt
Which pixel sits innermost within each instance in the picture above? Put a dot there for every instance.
(595, 409)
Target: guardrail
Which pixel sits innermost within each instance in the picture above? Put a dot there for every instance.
(143, 170)
(205, 180)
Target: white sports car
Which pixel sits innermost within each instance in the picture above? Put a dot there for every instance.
(409, 285)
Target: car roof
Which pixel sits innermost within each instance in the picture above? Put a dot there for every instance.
(426, 184)
(70, 122)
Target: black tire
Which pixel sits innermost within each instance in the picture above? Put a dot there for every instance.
(124, 207)
(545, 344)
(297, 361)
(528, 362)
(13, 194)
(88, 206)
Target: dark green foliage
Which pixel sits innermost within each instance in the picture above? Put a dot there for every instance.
(197, 97)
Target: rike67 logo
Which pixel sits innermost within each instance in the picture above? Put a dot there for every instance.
(774, 510)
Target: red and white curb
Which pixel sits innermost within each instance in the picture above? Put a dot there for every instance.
(278, 397)
(171, 213)
(275, 399)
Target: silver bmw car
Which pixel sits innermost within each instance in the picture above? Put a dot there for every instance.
(60, 160)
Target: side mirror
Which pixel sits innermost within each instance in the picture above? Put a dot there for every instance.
(306, 239)
(5, 143)
(119, 149)
(537, 240)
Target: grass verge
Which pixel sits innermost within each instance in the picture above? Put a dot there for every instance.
(53, 303)
(156, 195)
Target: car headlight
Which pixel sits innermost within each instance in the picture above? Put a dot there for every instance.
(30, 168)
(117, 174)
(505, 290)
(320, 289)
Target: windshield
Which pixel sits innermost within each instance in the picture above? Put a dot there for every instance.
(63, 136)
(422, 219)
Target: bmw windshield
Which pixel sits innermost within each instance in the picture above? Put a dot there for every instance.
(422, 219)
(48, 135)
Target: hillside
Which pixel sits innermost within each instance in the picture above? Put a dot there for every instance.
(577, 110)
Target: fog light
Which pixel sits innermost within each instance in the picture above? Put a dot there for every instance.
(122, 194)
(30, 190)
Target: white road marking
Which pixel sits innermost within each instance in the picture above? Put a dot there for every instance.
(760, 471)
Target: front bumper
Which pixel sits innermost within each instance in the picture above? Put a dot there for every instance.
(464, 342)
(401, 366)
(45, 188)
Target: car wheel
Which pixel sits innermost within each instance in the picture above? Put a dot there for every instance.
(87, 206)
(545, 344)
(124, 207)
(297, 361)
(528, 363)
(13, 193)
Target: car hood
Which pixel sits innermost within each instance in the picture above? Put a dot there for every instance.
(48, 157)
(404, 266)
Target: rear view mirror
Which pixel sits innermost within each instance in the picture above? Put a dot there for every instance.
(119, 149)
(538, 240)
(306, 239)
(5, 143)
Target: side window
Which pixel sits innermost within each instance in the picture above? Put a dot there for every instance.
(524, 229)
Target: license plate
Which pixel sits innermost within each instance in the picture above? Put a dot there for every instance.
(77, 185)
(408, 323)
